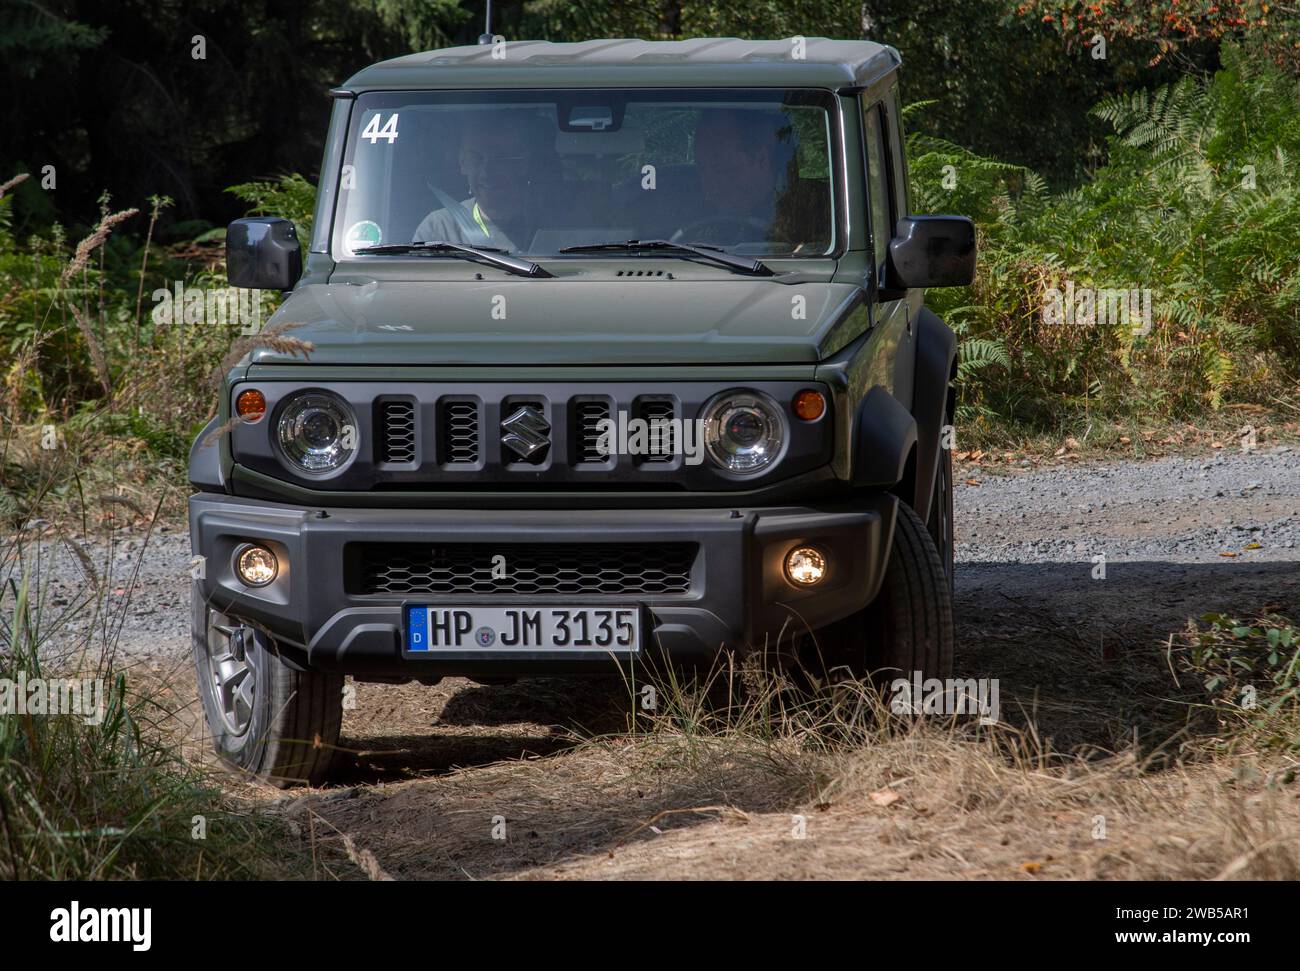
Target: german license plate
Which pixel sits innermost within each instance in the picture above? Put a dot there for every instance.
(589, 629)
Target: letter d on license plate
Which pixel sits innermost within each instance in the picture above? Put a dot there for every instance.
(600, 630)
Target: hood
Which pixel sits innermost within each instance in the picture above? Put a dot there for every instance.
(556, 321)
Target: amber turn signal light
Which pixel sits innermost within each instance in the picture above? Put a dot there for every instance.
(809, 405)
(250, 405)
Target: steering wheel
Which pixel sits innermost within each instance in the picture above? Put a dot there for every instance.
(721, 229)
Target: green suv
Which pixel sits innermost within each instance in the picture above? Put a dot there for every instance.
(618, 359)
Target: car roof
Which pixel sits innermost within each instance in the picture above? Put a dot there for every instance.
(701, 62)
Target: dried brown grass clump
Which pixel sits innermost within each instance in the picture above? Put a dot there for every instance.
(16, 180)
(81, 256)
(275, 337)
(772, 789)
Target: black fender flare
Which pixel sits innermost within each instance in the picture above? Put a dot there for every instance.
(884, 437)
(932, 398)
(205, 470)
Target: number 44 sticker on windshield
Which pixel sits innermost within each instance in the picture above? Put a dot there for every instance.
(374, 132)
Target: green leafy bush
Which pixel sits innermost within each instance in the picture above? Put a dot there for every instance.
(289, 196)
(1197, 203)
(1250, 669)
(105, 795)
(91, 359)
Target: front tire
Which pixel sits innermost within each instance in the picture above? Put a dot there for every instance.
(264, 717)
(941, 515)
(908, 627)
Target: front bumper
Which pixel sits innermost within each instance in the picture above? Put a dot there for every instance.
(737, 593)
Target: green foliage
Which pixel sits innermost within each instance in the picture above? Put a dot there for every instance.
(425, 24)
(85, 354)
(111, 94)
(1247, 668)
(289, 196)
(105, 796)
(1197, 202)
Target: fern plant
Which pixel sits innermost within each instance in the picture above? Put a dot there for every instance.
(1196, 203)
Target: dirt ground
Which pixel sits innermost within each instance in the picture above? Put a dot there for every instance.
(1098, 768)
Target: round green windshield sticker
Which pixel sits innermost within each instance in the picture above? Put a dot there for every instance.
(362, 234)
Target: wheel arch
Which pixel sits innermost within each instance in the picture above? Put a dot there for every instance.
(205, 464)
(934, 397)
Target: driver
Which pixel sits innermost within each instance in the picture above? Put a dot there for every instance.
(502, 159)
(742, 157)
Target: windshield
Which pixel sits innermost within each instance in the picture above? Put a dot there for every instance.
(534, 172)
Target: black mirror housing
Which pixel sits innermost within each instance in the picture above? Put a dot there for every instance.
(932, 251)
(262, 253)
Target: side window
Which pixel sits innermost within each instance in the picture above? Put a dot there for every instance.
(878, 188)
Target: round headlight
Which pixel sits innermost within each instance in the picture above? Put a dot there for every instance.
(317, 432)
(744, 431)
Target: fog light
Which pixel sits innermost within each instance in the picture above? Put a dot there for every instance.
(256, 565)
(805, 565)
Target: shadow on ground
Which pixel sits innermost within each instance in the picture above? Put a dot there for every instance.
(1085, 661)
(1081, 662)
(460, 724)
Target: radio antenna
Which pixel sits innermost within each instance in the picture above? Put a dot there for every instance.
(486, 36)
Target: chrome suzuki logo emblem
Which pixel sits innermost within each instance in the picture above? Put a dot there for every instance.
(526, 432)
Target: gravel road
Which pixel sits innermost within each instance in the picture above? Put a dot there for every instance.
(1025, 537)
(1181, 510)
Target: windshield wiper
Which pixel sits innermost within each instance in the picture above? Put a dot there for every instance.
(740, 264)
(494, 255)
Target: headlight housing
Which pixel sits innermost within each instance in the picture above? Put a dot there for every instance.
(744, 431)
(317, 433)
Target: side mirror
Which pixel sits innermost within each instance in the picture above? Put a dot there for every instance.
(262, 253)
(932, 251)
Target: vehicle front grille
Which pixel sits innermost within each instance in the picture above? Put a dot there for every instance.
(568, 568)
(662, 446)
(397, 431)
(478, 429)
(460, 432)
(589, 416)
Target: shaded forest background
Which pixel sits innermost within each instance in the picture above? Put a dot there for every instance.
(110, 94)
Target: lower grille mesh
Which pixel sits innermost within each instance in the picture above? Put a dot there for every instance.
(589, 568)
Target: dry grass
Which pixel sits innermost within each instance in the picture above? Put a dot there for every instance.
(539, 782)
(990, 447)
(110, 797)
